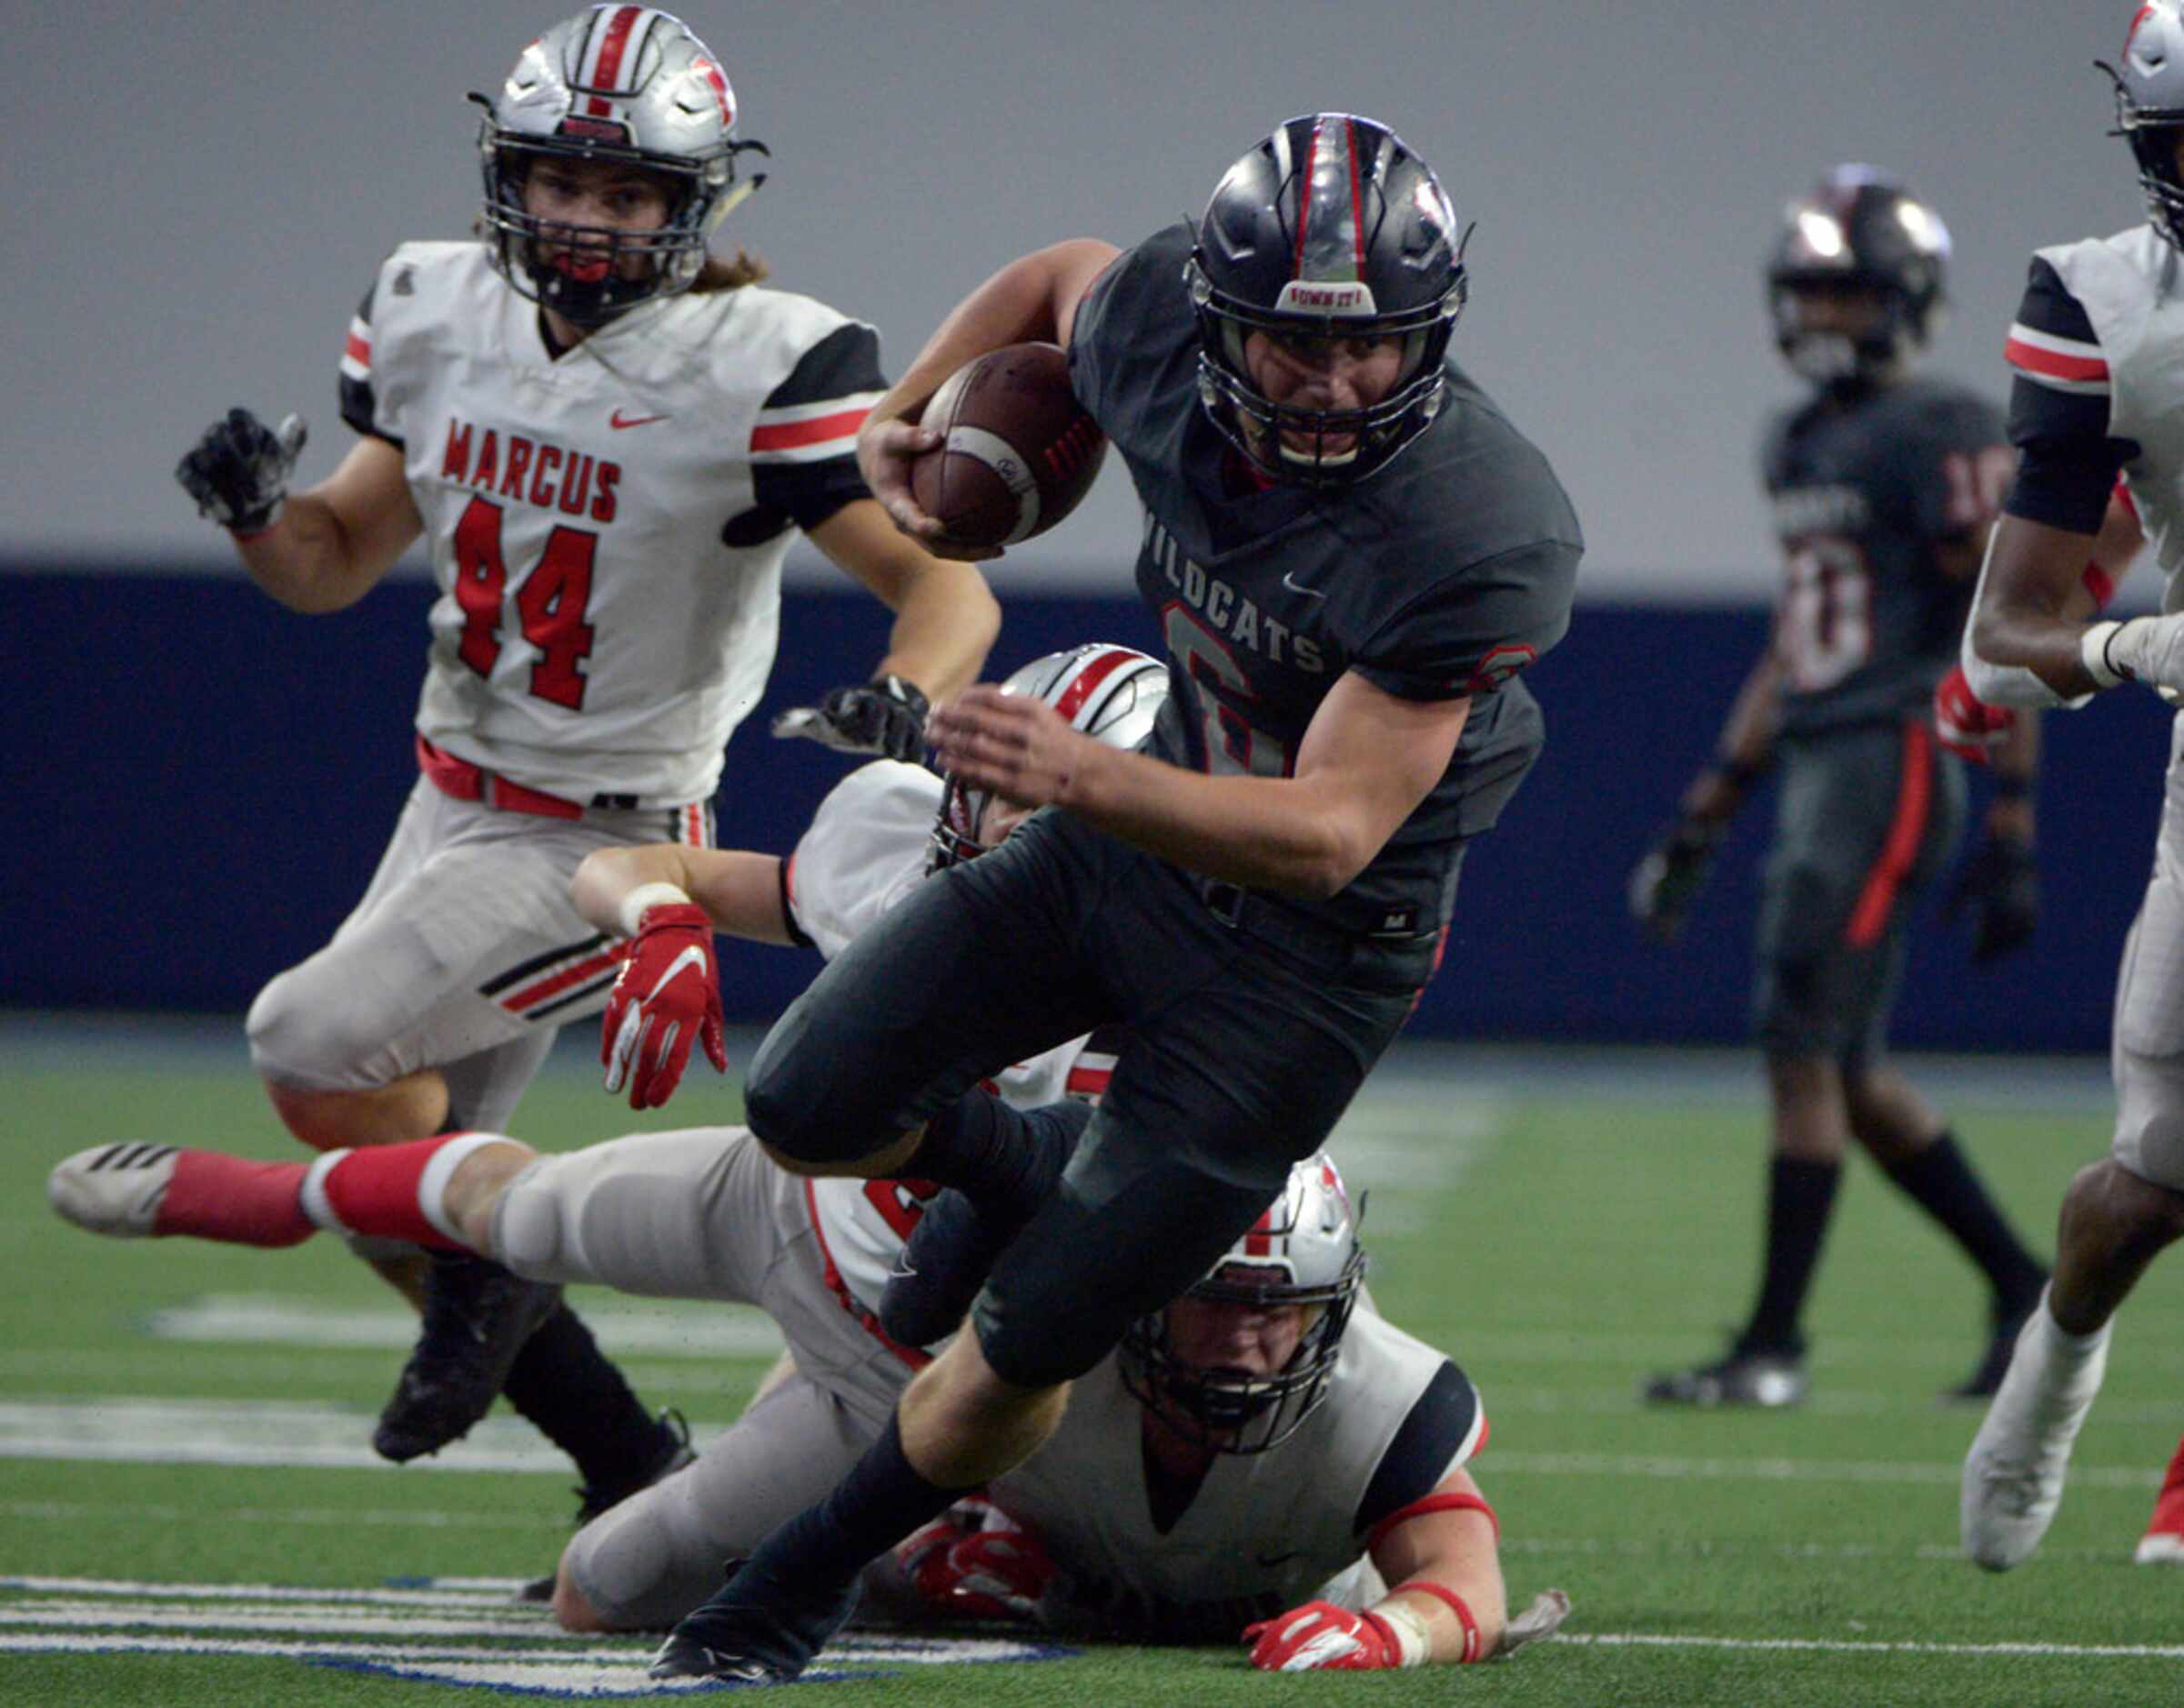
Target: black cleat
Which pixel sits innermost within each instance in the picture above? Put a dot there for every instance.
(1760, 1379)
(673, 1452)
(754, 1630)
(477, 1316)
(1994, 1363)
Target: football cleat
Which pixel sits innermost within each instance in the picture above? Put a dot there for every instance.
(1765, 1381)
(477, 1316)
(2163, 1543)
(754, 1630)
(672, 1452)
(2013, 1476)
(113, 1190)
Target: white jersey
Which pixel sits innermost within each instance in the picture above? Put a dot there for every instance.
(1264, 1531)
(865, 849)
(2132, 292)
(607, 528)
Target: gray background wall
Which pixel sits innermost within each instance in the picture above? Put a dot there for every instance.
(196, 197)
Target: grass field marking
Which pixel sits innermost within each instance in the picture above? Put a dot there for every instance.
(1851, 1645)
(1666, 1467)
(484, 1593)
(1709, 1548)
(1539, 1401)
(433, 1518)
(662, 1328)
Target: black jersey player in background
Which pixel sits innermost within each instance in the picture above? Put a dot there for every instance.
(1884, 487)
(1353, 556)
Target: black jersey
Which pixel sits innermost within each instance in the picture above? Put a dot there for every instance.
(1442, 576)
(1864, 491)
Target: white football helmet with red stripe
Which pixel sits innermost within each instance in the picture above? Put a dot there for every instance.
(2149, 109)
(1111, 693)
(627, 84)
(1304, 1250)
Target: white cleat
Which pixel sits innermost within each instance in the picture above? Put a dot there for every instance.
(2013, 1476)
(2160, 1548)
(113, 1190)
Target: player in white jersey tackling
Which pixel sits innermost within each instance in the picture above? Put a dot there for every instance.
(605, 437)
(2097, 349)
(1172, 1508)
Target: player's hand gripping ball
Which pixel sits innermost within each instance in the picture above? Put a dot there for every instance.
(1018, 452)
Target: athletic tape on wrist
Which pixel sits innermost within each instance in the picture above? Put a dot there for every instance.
(1403, 1627)
(654, 895)
(2093, 653)
(1456, 1605)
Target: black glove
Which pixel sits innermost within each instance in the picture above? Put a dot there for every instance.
(1664, 881)
(2002, 887)
(238, 472)
(885, 716)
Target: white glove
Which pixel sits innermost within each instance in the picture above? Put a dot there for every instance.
(1541, 1619)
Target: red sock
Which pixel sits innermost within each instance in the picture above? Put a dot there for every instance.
(2168, 1510)
(373, 1190)
(217, 1196)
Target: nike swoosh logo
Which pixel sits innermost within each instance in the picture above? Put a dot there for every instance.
(1309, 593)
(618, 419)
(688, 957)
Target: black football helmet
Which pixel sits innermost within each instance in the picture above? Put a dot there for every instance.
(2149, 109)
(1303, 1251)
(1858, 229)
(1329, 228)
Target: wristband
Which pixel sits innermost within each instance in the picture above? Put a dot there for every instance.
(646, 896)
(1426, 1586)
(1405, 1631)
(2093, 653)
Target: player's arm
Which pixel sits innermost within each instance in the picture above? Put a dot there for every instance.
(1441, 1557)
(2024, 645)
(739, 890)
(1368, 758)
(946, 618)
(1034, 299)
(326, 547)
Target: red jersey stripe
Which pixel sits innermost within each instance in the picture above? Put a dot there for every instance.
(358, 350)
(788, 435)
(2053, 364)
(519, 1000)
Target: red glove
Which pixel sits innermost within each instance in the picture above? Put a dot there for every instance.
(669, 993)
(1966, 724)
(1319, 1637)
(973, 1561)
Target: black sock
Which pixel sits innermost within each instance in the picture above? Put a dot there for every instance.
(883, 1499)
(995, 1154)
(570, 1389)
(1801, 1196)
(1941, 1183)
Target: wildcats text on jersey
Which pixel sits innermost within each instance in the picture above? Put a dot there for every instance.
(1229, 613)
(530, 470)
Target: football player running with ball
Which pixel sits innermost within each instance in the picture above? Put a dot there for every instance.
(1353, 556)
(605, 437)
(1884, 487)
(2095, 350)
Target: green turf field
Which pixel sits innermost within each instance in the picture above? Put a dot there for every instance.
(1561, 1233)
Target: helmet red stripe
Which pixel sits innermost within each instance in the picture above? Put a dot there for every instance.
(1357, 198)
(1094, 672)
(608, 73)
(1312, 149)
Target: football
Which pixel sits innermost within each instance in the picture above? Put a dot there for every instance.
(1019, 454)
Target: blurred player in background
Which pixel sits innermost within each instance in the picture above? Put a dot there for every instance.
(605, 436)
(2097, 349)
(1353, 556)
(1884, 487)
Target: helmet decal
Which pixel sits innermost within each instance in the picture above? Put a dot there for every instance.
(2150, 110)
